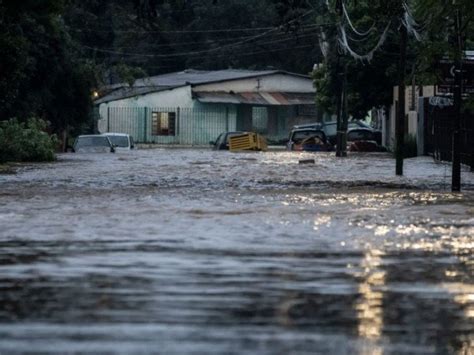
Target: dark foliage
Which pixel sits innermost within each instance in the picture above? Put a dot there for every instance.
(41, 74)
(165, 36)
(26, 142)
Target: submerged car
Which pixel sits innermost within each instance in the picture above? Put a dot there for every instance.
(222, 141)
(93, 143)
(362, 140)
(308, 139)
(121, 141)
(330, 128)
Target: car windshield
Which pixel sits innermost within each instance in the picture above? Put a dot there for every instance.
(119, 141)
(301, 135)
(92, 142)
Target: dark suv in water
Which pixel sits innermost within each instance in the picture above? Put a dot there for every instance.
(330, 128)
(308, 139)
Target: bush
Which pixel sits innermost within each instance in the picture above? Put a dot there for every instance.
(410, 148)
(21, 142)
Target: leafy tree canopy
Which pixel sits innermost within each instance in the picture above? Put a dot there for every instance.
(370, 82)
(41, 75)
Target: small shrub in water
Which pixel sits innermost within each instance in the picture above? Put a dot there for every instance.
(20, 142)
(410, 148)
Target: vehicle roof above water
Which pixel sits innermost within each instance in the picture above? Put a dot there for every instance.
(307, 130)
(116, 134)
(91, 140)
(90, 135)
(309, 125)
(359, 123)
(235, 132)
(360, 129)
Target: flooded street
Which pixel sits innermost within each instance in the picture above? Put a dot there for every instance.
(203, 252)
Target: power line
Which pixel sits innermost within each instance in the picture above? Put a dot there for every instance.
(269, 50)
(269, 29)
(240, 53)
(204, 51)
(195, 54)
(114, 49)
(228, 30)
(177, 44)
(235, 54)
(184, 53)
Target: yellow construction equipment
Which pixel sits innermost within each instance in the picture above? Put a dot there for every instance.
(247, 141)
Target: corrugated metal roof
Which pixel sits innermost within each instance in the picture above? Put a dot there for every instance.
(194, 77)
(257, 98)
(187, 77)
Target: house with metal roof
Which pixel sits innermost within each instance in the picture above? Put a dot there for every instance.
(193, 107)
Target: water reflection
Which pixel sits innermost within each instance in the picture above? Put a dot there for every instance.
(370, 305)
(207, 253)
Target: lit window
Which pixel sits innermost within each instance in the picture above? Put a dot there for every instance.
(163, 123)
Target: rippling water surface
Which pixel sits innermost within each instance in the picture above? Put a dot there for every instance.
(199, 252)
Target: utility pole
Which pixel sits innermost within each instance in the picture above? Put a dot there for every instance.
(339, 103)
(341, 138)
(341, 134)
(400, 120)
(340, 152)
(457, 96)
(344, 124)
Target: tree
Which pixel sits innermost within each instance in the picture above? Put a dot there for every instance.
(449, 27)
(43, 76)
(370, 79)
(165, 36)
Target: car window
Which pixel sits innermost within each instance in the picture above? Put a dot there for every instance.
(119, 141)
(92, 142)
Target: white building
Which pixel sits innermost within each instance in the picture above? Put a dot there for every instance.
(413, 121)
(193, 107)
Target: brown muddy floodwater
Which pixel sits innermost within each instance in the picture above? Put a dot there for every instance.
(200, 252)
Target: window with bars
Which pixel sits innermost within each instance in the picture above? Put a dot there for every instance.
(163, 123)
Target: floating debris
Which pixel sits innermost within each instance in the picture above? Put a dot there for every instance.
(307, 161)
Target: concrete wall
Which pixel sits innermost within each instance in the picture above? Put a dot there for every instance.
(272, 83)
(411, 112)
(410, 95)
(193, 126)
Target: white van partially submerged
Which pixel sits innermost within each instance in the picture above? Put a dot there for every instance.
(121, 141)
(93, 143)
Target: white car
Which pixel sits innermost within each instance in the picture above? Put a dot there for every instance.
(93, 143)
(121, 141)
